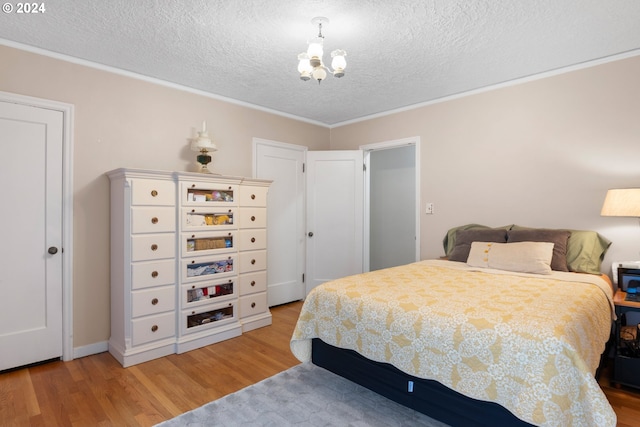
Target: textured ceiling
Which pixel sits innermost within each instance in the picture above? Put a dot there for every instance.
(399, 53)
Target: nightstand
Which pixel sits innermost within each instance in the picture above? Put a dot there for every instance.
(626, 370)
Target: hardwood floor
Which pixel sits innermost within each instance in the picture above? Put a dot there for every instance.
(97, 391)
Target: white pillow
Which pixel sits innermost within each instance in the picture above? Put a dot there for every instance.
(524, 257)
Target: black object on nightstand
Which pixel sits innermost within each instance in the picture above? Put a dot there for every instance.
(626, 366)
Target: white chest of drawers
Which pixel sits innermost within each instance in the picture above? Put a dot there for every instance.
(188, 261)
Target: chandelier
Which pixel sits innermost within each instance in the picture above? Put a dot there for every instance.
(311, 64)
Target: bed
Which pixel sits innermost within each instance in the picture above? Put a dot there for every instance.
(468, 343)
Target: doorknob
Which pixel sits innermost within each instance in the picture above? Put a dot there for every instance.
(311, 234)
(53, 250)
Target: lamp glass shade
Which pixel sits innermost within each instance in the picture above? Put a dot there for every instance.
(315, 49)
(203, 142)
(622, 202)
(338, 62)
(304, 66)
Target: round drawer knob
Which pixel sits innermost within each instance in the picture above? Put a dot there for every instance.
(154, 193)
(253, 283)
(253, 240)
(253, 305)
(193, 286)
(154, 220)
(154, 274)
(154, 301)
(253, 197)
(154, 328)
(154, 247)
(253, 261)
(253, 218)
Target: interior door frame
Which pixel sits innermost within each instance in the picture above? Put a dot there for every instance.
(385, 145)
(67, 111)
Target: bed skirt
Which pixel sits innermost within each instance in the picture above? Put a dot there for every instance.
(426, 396)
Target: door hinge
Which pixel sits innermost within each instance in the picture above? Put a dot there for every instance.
(302, 277)
(364, 167)
(303, 168)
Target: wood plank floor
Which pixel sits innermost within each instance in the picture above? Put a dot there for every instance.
(97, 391)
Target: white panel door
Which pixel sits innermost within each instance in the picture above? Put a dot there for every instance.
(335, 182)
(283, 163)
(31, 147)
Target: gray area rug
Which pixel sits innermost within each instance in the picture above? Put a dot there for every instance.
(305, 395)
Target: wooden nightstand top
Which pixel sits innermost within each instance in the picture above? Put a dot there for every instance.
(618, 299)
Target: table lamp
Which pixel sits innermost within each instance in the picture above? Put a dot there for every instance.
(203, 145)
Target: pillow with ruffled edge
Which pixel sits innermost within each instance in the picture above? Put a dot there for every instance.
(559, 238)
(464, 238)
(585, 250)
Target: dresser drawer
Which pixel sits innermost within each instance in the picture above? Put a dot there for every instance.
(253, 217)
(253, 304)
(152, 219)
(253, 282)
(252, 239)
(148, 274)
(153, 328)
(153, 301)
(208, 193)
(253, 196)
(153, 246)
(153, 192)
(252, 261)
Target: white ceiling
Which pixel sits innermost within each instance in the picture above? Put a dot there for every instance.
(399, 53)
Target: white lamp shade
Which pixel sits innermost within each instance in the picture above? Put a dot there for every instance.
(338, 63)
(304, 66)
(315, 49)
(622, 202)
(203, 142)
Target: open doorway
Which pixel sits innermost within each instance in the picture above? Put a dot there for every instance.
(391, 204)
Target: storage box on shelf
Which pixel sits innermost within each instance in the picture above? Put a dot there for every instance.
(143, 268)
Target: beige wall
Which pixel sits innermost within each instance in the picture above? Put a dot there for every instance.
(125, 122)
(540, 153)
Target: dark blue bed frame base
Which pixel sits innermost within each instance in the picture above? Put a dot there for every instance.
(429, 397)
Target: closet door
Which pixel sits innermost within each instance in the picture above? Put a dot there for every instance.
(335, 210)
(283, 164)
(31, 228)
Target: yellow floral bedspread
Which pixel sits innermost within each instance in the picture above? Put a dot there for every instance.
(531, 343)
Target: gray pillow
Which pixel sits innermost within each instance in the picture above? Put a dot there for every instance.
(559, 238)
(464, 238)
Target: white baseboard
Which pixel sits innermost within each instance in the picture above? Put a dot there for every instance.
(88, 350)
